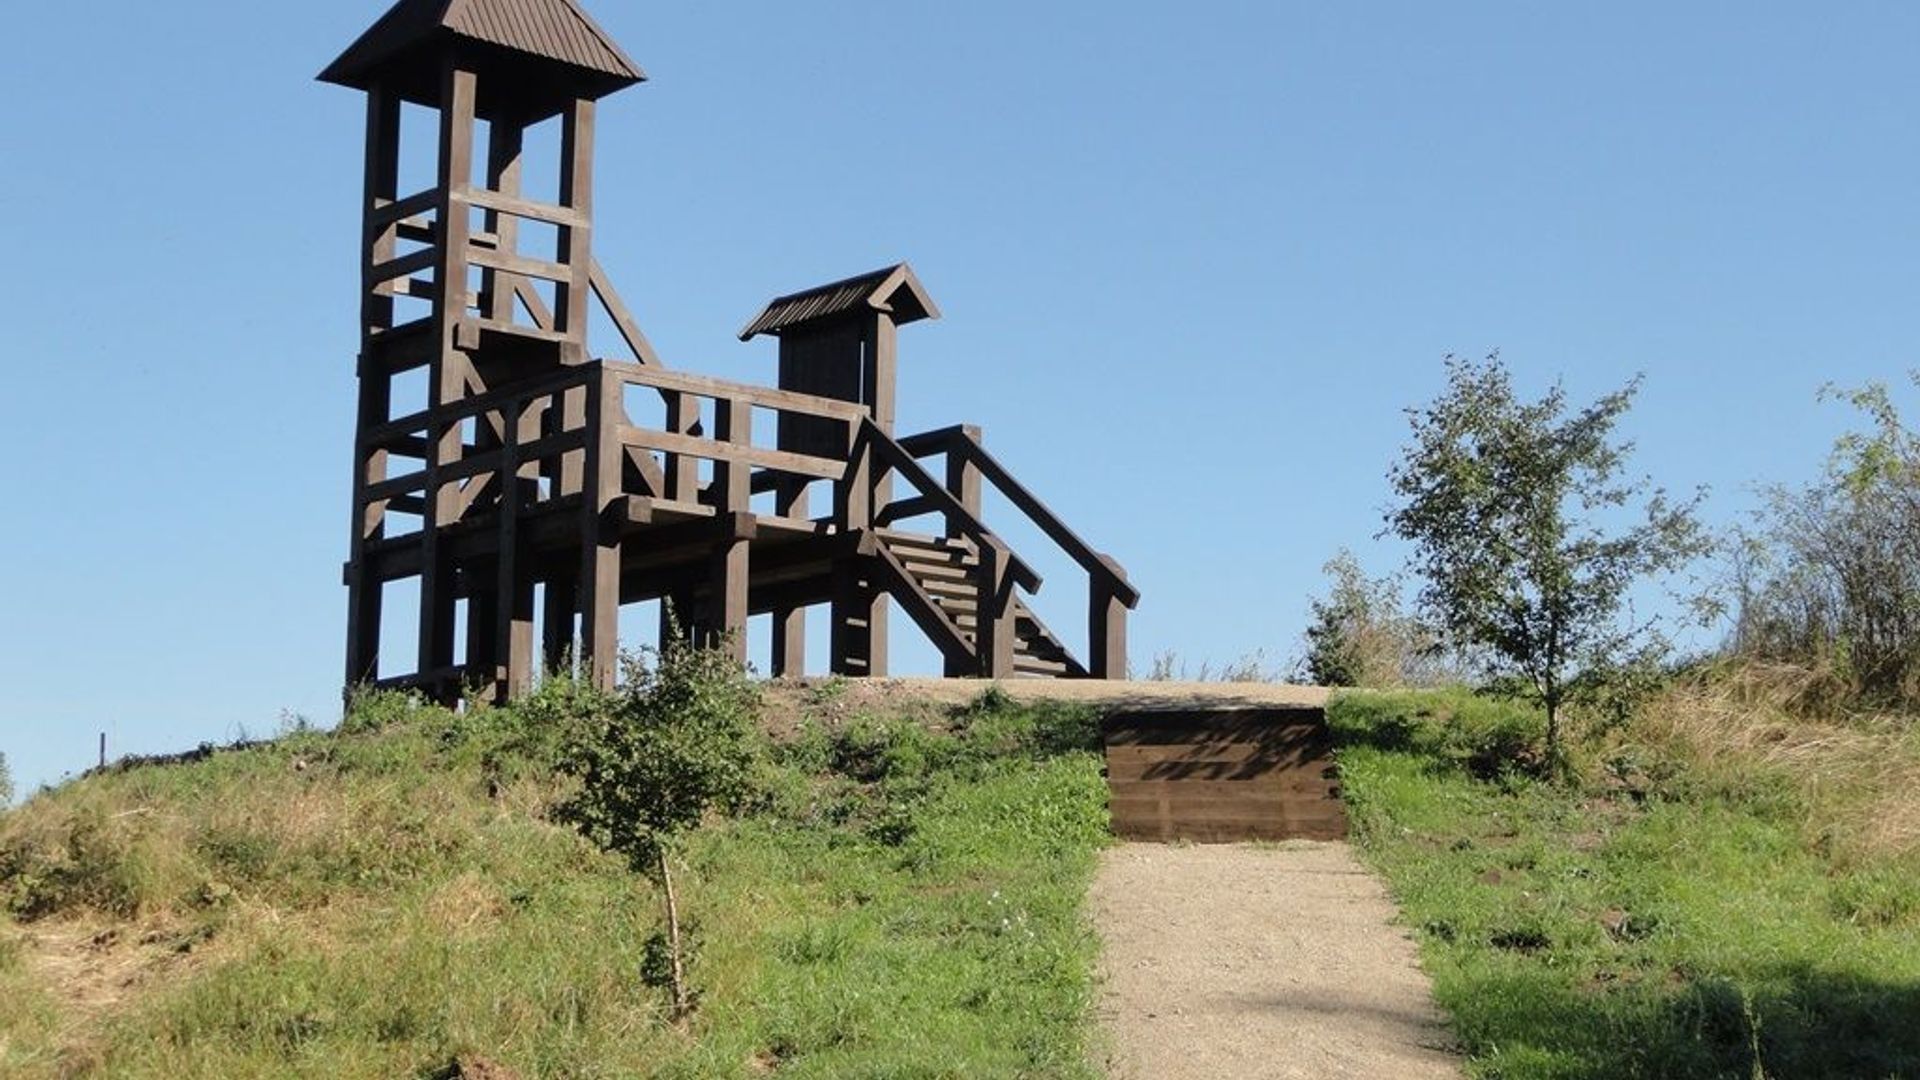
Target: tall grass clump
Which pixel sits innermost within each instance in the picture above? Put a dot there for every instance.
(1673, 908)
(1850, 780)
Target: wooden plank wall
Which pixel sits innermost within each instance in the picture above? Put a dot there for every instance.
(1223, 775)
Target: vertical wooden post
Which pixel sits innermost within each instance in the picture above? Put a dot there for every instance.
(599, 592)
(573, 296)
(879, 362)
(789, 652)
(963, 476)
(857, 649)
(733, 479)
(1106, 625)
(505, 141)
(448, 370)
(380, 187)
(963, 481)
(994, 632)
(682, 472)
(513, 613)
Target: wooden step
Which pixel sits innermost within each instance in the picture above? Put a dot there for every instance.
(938, 571)
(943, 588)
(1028, 665)
(945, 556)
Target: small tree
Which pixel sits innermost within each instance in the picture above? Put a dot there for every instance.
(678, 743)
(1505, 502)
(1359, 636)
(1831, 578)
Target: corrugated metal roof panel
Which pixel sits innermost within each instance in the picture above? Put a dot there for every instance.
(894, 289)
(556, 30)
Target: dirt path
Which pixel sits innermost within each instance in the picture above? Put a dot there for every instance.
(785, 701)
(1255, 962)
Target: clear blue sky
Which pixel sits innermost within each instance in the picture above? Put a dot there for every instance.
(1195, 259)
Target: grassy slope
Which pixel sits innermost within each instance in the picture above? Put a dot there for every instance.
(906, 905)
(1685, 928)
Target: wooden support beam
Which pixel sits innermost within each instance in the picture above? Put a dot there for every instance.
(519, 265)
(505, 142)
(599, 594)
(572, 294)
(448, 371)
(387, 211)
(527, 208)
(729, 454)
(764, 397)
(1106, 629)
(789, 654)
(622, 317)
(727, 608)
(682, 473)
(789, 642)
(513, 614)
(995, 633)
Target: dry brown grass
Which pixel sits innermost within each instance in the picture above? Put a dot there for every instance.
(1857, 775)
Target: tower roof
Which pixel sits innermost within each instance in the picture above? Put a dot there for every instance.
(553, 30)
(894, 290)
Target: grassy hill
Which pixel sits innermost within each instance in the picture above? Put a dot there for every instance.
(377, 902)
(1726, 890)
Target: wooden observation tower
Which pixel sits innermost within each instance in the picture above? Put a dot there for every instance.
(533, 489)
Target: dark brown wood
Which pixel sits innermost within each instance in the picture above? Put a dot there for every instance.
(529, 475)
(1226, 775)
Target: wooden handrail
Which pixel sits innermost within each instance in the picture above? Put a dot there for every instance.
(480, 403)
(943, 502)
(957, 440)
(725, 389)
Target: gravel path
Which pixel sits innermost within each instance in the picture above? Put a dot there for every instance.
(1249, 962)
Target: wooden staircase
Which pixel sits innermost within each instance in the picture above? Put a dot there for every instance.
(940, 580)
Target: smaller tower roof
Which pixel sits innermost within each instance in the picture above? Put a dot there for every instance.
(554, 30)
(894, 290)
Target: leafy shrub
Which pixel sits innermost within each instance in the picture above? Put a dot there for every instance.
(372, 711)
(680, 742)
(1360, 636)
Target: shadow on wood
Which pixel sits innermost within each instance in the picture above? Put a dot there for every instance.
(1223, 775)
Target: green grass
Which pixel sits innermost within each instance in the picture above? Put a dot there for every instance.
(902, 903)
(1601, 930)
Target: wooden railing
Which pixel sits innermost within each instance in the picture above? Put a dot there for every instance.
(532, 430)
(740, 468)
(568, 437)
(1109, 594)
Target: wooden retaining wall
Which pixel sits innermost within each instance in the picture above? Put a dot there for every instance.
(1223, 775)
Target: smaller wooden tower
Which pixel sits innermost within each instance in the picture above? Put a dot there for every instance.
(840, 341)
